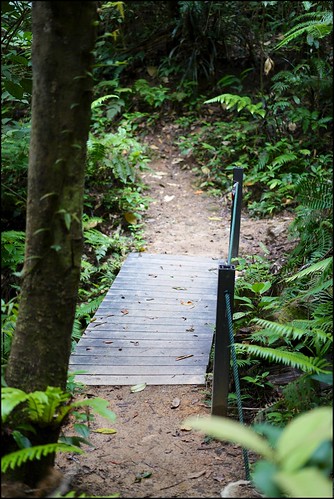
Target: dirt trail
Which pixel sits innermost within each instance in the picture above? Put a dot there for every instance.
(152, 455)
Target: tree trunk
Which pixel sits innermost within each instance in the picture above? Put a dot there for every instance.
(63, 41)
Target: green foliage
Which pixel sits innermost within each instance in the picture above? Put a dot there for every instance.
(294, 459)
(17, 458)
(15, 149)
(12, 249)
(229, 101)
(9, 313)
(317, 25)
(154, 96)
(44, 409)
(116, 156)
(16, 40)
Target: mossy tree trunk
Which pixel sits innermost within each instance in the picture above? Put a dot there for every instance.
(63, 41)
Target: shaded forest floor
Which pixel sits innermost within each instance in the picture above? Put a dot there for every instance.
(152, 454)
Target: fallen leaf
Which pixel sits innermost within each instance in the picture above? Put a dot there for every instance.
(178, 287)
(184, 357)
(185, 428)
(167, 199)
(144, 474)
(152, 70)
(106, 431)
(130, 217)
(215, 219)
(197, 475)
(124, 311)
(175, 403)
(108, 342)
(175, 161)
(138, 388)
(198, 192)
(186, 302)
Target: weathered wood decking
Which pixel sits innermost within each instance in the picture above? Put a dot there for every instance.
(155, 325)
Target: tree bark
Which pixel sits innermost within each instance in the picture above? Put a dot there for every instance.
(63, 40)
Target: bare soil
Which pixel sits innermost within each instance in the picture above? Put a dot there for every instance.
(152, 454)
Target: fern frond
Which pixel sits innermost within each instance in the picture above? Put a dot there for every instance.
(102, 99)
(241, 102)
(43, 406)
(284, 158)
(15, 459)
(10, 398)
(88, 308)
(294, 359)
(295, 330)
(318, 27)
(318, 267)
(315, 195)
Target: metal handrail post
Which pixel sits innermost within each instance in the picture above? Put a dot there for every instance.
(221, 366)
(236, 212)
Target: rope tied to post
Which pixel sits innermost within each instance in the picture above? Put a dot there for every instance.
(236, 375)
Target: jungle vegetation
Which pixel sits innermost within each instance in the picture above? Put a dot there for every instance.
(256, 78)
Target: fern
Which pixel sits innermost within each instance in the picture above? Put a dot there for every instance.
(10, 398)
(284, 158)
(318, 27)
(12, 249)
(231, 100)
(296, 330)
(322, 266)
(17, 458)
(100, 242)
(43, 406)
(315, 194)
(100, 100)
(294, 359)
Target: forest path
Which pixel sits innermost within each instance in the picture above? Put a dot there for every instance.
(153, 454)
(184, 219)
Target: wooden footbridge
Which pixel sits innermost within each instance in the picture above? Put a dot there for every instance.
(155, 325)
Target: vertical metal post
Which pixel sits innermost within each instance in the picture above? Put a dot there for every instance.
(235, 220)
(221, 366)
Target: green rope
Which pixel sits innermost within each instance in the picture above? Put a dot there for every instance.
(230, 247)
(236, 375)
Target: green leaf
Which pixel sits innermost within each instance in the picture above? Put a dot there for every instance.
(15, 459)
(264, 471)
(82, 430)
(67, 219)
(308, 482)
(138, 388)
(99, 405)
(302, 436)
(231, 431)
(14, 89)
(105, 431)
(10, 398)
(261, 287)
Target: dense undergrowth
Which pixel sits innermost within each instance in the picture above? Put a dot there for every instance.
(278, 132)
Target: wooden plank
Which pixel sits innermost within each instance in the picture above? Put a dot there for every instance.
(154, 320)
(77, 361)
(144, 370)
(162, 329)
(147, 343)
(159, 309)
(138, 352)
(145, 335)
(121, 380)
